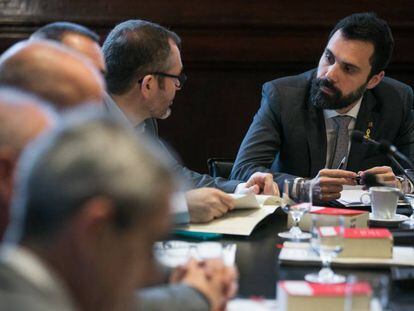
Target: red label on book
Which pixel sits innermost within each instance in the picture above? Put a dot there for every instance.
(337, 212)
(366, 233)
(302, 288)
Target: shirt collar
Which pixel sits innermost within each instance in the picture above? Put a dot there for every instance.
(329, 113)
(115, 111)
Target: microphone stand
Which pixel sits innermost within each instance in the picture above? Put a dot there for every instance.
(389, 150)
(398, 164)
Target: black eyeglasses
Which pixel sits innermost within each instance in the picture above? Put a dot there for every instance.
(181, 78)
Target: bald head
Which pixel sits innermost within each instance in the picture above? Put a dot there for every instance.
(22, 118)
(52, 72)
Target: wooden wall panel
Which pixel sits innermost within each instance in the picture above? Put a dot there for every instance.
(230, 48)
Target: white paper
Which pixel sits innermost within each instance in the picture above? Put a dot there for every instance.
(236, 222)
(351, 195)
(243, 201)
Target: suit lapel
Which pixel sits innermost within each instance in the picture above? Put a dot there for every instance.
(316, 134)
(366, 123)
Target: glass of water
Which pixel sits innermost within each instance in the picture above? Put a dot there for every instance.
(327, 242)
(173, 254)
(296, 203)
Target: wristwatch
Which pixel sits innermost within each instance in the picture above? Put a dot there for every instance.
(404, 184)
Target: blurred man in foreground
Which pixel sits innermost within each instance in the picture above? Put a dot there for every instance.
(89, 203)
(22, 118)
(76, 37)
(52, 72)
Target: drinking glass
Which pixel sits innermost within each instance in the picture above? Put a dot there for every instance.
(173, 254)
(327, 242)
(177, 253)
(296, 204)
(351, 280)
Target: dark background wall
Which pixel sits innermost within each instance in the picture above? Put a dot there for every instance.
(230, 48)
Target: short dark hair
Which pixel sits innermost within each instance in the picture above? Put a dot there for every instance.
(56, 31)
(369, 28)
(135, 48)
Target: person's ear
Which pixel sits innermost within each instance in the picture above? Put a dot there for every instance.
(375, 79)
(148, 85)
(95, 216)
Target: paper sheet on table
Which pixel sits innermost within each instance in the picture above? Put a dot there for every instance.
(236, 222)
(301, 253)
(351, 196)
(255, 201)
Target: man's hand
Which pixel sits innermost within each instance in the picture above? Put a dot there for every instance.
(330, 183)
(217, 282)
(205, 204)
(384, 175)
(259, 183)
(229, 278)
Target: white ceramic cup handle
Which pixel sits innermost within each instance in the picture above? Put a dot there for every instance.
(363, 200)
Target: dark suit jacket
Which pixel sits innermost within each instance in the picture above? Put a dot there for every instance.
(194, 179)
(288, 135)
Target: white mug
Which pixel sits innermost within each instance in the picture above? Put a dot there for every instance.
(383, 201)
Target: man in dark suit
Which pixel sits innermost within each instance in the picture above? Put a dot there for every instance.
(144, 72)
(302, 127)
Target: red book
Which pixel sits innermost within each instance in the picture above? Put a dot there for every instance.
(352, 218)
(362, 242)
(301, 295)
(365, 233)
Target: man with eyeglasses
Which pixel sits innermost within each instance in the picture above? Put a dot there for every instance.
(144, 71)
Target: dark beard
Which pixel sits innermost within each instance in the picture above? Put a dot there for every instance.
(336, 100)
